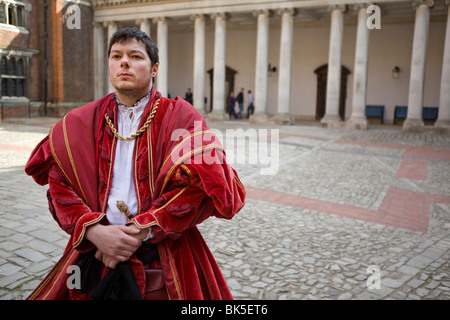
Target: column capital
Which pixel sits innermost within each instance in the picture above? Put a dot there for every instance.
(162, 19)
(341, 7)
(266, 12)
(291, 11)
(196, 16)
(358, 6)
(142, 20)
(223, 15)
(109, 23)
(428, 3)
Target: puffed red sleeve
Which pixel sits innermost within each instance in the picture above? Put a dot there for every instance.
(190, 199)
(194, 180)
(67, 208)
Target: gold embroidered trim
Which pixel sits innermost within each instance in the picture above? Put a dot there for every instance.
(69, 153)
(239, 183)
(49, 278)
(186, 155)
(175, 278)
(150, 162)
(185, 168)
(109, 177)
(85, 225)
(136, 184)
(181, 143)
(56, 157)
(142, 226)
(63, 270)
(140, 131)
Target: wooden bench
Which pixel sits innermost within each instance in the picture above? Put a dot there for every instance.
(429, 115)
(400, 113)
(375, 112)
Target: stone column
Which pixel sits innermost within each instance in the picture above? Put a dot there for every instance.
(262, 60)
(5, 12)
(331, 117)
(199, 63)
(144, 25)
(161, 83)
(443, 120)
(112, 28)
(283, 115)
(358, 119)
(219, 77)
(414, 120)
(99, 60)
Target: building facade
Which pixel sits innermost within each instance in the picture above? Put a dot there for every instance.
(46, 66)
(17, 49)
(318, 60)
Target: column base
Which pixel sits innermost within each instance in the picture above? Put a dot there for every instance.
(442, 123)
(260, 118)
(357, 123)
(413, 125)
(442, 126)
(332, 121)
(284, 119)
(216, 116)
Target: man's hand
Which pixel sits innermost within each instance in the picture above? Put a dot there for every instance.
(108, 261)
(115, 243)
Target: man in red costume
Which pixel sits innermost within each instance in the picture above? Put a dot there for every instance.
(130, 189)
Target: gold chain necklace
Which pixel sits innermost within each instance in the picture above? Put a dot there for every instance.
(140, 131)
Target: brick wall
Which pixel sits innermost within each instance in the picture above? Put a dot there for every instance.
(78, 58)
(25, 41)
(36, 41)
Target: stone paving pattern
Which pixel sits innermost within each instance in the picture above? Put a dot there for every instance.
(340, 201)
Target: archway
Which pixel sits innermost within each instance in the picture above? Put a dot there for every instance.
(321, 96)
(229, 84)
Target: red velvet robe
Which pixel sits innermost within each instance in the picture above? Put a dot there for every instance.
(181, 179)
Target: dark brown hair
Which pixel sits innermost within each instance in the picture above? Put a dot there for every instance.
(125, 34)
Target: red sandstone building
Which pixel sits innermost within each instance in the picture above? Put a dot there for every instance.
(45, 62)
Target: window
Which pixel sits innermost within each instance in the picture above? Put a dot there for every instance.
(2, 13)
(13, 77)
(11, 16)
(4, 64)
(19, 16)
(4, 88)
(13, 12)
(20, 68)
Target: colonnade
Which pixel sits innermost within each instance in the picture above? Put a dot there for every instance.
(357, 119)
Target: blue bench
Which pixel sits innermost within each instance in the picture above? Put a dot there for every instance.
(400, 113)
(373, 111)
(430, 114)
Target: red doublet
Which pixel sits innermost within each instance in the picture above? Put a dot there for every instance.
(181, 178)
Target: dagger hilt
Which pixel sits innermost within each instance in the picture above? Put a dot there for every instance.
(122, 206)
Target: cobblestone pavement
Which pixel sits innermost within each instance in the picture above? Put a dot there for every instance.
(330, 213)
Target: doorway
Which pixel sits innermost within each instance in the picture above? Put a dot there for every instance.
(229, 85)
(321, 98)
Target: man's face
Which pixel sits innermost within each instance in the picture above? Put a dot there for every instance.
(130, 68)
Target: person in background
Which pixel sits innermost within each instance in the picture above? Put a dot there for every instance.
(251, 107)
(188, 96)
(240, 100)
(231, 105)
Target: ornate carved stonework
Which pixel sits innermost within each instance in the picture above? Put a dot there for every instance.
(104, 3)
